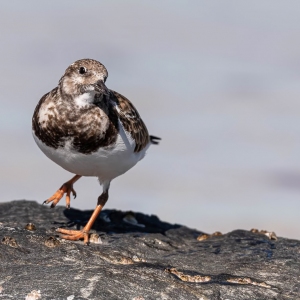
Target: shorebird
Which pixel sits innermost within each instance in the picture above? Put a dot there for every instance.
(89, 130)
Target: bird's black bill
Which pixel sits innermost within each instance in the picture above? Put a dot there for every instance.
(100, 87)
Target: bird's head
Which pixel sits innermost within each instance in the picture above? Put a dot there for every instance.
(84, 77)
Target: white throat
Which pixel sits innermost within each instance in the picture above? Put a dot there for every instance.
(85, 99)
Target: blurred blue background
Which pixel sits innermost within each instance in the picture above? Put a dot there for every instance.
(219, 81)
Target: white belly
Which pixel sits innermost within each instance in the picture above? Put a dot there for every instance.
(106, 164)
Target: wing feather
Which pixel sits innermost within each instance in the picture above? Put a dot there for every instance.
(132, 121)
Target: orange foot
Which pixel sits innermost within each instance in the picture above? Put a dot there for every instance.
(74, 235)
(66, 188)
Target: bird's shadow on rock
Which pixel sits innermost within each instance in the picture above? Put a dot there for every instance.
(118, 221)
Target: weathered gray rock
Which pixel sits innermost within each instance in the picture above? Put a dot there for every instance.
(138, 257)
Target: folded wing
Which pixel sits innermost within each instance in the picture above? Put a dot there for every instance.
(132, 121)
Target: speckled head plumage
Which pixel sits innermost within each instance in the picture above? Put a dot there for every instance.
(84, 75)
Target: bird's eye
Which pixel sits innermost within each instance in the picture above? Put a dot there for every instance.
(82, 70)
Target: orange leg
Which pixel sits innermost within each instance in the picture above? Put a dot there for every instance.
(67, 188)
(75, 235)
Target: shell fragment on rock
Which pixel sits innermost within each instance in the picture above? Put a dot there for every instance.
(34, 295)
(52, 242)
(95, 238)
(270, 234)
(30, 227)
(205, 236)
(188, 278)
(9, 241)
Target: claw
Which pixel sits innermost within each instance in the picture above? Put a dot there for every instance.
(66, 188)
(74, 193)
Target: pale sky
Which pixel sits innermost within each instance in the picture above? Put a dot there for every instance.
(218, 81)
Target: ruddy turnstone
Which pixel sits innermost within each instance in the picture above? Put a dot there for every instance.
(89, 130)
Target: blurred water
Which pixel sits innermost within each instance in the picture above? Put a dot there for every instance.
(218, 81)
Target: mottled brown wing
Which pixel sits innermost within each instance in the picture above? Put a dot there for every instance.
(132, 121)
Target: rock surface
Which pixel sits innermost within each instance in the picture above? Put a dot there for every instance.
(138, 257)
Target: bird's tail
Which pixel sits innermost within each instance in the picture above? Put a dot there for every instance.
(154, 139)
